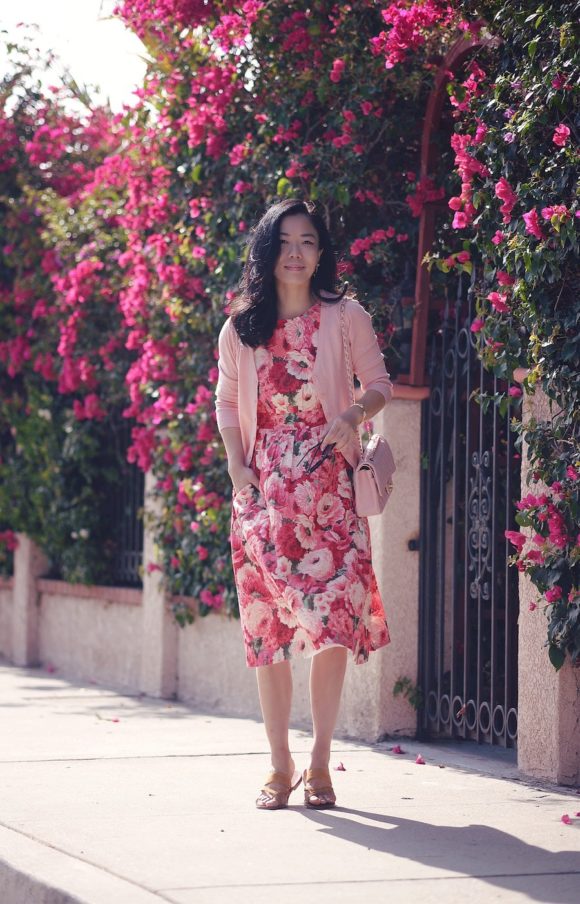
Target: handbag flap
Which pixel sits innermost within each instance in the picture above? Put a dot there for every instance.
(379, 455)
(377, 460)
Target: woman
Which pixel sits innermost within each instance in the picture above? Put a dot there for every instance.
(301, 556)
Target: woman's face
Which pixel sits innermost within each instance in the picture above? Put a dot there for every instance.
(299, 250)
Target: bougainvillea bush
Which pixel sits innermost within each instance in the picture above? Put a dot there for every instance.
(240, 108)
(58, 457)
(516, 146)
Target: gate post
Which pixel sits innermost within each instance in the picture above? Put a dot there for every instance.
(159, 646)
(549, 701)
(395, 543)
(29, 563)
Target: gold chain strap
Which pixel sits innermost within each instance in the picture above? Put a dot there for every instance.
(348, 361)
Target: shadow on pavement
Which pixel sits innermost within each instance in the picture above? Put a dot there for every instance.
(492, 856)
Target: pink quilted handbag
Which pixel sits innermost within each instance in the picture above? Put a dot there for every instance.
(373, 476)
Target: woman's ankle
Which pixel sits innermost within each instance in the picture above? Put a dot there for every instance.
(319, 759)
(283, 762)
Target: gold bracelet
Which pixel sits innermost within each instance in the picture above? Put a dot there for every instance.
(362, 407)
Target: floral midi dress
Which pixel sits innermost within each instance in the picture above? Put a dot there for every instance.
(301, 556)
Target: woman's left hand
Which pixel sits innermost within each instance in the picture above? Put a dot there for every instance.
(341, 431)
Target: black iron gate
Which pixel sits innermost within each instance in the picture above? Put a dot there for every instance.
(468, 595)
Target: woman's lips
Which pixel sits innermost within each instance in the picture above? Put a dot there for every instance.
(290, 267)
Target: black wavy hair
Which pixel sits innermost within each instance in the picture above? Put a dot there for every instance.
(254, 310)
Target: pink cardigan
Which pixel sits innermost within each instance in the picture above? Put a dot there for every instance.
(237, 387)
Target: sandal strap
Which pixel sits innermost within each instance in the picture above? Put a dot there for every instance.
(278, 778)
(320, 775)
(317, 773)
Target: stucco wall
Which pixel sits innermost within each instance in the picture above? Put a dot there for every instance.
(548, 701)
(91, 639)
(5, 619)
(397, 567)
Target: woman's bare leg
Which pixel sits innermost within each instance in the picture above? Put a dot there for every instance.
(275, 690)
(326, 679)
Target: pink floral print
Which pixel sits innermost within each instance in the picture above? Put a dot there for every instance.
(301, 556)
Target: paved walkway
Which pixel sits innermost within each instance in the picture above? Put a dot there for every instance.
(116, 799)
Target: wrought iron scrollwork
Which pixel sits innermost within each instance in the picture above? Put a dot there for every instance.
(468, 597)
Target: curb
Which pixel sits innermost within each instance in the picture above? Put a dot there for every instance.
(32, 872)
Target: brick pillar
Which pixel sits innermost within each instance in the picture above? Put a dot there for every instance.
(29, 563)
(548, 701)
(159, 637)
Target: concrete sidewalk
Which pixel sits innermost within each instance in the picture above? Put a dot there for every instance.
(112, 799)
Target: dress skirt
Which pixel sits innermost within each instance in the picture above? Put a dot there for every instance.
(301, 556)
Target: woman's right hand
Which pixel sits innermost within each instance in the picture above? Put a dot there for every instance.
(241, 476)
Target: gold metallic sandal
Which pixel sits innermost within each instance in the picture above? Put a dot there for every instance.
(277, 789)
(319, 795)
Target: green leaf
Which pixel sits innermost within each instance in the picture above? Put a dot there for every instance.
(557, 657)
(283, 186)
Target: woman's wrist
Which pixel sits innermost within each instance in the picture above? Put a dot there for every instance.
(356, 414)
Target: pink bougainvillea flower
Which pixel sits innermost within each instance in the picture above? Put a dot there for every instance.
(515, 537)
(504, 279)
(515, 392)
(561, 135)
(480, 133)
(340, 768)
(532, 607)
(463, 257)
(337, 70)
(532, 222)
(498, 302)
(477, 325)
(505, 193)
(554, 594)
(397, 749)
(460, 220)
(498, 237)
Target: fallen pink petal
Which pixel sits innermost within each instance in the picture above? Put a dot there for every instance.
(397, 749)
(340, 768)
(566, 819)
(420, 761)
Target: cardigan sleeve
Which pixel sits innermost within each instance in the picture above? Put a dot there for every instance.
(226, 396)
(367, 359)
